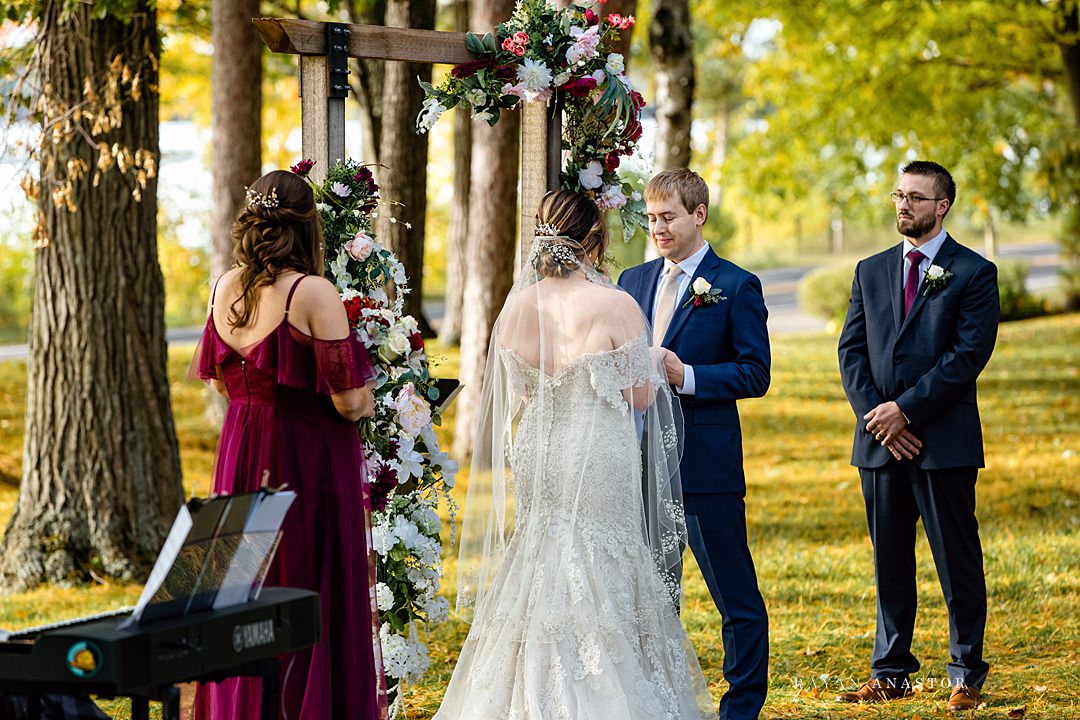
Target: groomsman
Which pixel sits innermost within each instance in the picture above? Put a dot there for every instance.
(709, 315)
(920, 327)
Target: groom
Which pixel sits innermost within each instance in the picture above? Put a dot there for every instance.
(709, 315)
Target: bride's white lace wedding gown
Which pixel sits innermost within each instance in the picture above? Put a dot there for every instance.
(577, 624)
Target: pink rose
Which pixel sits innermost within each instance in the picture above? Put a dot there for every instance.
(521, 38)
(360, 247)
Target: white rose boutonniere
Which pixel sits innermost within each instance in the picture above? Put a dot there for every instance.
(936, 279)
(703, 293)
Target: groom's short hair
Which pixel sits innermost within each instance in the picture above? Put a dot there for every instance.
(682, 183)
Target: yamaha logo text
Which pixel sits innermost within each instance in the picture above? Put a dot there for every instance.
(253, 635)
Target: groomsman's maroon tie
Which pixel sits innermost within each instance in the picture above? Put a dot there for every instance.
(912, 285)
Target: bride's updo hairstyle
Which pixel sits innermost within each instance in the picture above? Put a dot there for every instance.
(277, 230)
(568, 214)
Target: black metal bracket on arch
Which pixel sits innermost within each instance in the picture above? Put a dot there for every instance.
(337, 59)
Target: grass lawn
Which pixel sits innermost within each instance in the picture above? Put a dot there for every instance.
(808, 535)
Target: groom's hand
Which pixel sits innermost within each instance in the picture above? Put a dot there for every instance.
(673, 366)
(885, 422)
(905, 447)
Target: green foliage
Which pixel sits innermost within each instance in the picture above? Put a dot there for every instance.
(185, 271)
(1017, 303)
(826, 292)
(16, 265)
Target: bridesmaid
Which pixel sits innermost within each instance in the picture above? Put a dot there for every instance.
(278, 345)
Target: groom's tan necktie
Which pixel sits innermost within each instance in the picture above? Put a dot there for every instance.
(665, 303)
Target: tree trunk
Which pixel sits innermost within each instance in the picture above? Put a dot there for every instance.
(1070, 54)
(450, 330)
(403, 180)
(101, 468)
(369, 74)
(490, 252)
(236, 126)
(672, 50)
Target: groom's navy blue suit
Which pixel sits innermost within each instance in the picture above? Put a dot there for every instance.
(927, 362)
(727, 344)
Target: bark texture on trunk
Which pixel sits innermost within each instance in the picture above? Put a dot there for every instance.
(403, 180)
(450, 329)
(101, 468)
(672, 50)
(492, 237)
(236, 129)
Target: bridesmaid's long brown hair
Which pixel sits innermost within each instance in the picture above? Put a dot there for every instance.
(277, 230)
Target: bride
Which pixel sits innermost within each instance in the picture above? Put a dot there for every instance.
(573, 531)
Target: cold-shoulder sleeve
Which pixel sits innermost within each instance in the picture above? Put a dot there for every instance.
(204, 363)
(341, 364)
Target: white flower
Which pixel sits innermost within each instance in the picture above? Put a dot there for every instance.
(701, 286)
(475, 97)
(360, 247)
(533, 75)
(384, 596)
(430, 115)
(561, 79)
(589, 176)
(615, 63)
(935, 271)
(484, 116)
(412, 462)
(599, 76)
(437, 610)
(427, 519)
(396, 345)
(322, 207)
(406, 531)
(341, 190)
(382, 539)
(635, 196)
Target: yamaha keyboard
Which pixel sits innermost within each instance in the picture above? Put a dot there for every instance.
(144, 660)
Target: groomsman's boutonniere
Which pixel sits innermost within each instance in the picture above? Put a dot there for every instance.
(936, 279)
(702, 293)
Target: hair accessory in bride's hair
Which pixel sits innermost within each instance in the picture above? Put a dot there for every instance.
(547, 230)
(258, 199)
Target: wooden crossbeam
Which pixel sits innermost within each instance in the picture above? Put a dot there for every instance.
(376, 42)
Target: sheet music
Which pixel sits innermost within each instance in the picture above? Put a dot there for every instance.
(169, 552)
(245, 573)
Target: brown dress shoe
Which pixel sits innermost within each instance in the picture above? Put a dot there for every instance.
(964, 698)
(875, 691)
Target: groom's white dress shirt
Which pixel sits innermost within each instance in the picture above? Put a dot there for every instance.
(688, 266)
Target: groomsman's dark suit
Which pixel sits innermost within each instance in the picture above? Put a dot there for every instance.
(927, 362)
(727, 344)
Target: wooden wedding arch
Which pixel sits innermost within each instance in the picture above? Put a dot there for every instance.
(324, 50)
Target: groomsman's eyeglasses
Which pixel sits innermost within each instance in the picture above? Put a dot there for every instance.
(899, 197)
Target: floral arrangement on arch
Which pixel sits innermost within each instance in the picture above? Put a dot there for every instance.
(409, 473)
(541, 53)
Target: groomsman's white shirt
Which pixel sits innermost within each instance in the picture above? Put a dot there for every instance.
(929, 250)
(688, 266)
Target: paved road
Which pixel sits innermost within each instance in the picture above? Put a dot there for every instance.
(779, 285)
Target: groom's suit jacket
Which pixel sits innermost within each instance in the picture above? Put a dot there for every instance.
(727, 343)
(927, 362)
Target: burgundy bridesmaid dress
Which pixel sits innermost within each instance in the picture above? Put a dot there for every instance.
(282, 430)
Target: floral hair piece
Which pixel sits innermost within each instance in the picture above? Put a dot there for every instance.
(547, 230)
(258, 199)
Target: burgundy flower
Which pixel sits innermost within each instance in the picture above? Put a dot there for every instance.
(303, 167)
(633, 130)
(415, 342)
(362, 175)
(506, 72)
(591, 18)
(611, 162)
(580, 87)
(698, 301)
(637, 99)
(470, 68)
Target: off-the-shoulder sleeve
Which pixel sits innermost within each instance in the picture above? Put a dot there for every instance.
(204, 363)
(341, 364)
